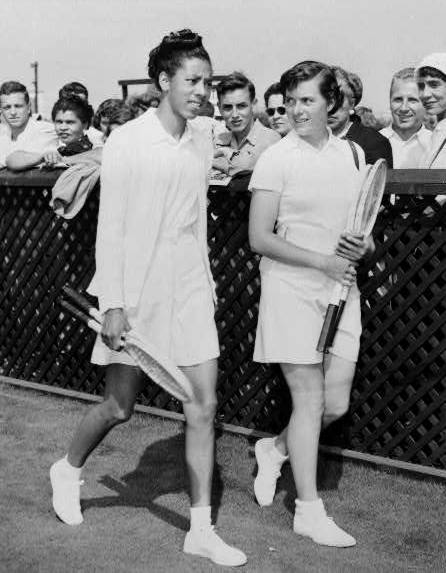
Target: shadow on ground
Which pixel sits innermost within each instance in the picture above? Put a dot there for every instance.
(161, 470)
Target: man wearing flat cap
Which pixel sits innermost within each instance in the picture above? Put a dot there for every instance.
(431, 79)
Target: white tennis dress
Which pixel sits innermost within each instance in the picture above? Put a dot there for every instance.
(164, 282)
(317, 188)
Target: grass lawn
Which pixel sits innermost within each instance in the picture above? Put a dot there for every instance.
(135, 503)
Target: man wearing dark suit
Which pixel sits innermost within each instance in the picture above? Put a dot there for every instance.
(345, 123)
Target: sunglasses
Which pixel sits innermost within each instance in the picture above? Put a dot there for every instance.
(272, 110)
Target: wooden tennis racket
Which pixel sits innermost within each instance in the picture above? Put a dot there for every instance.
(361, 220)
(159, 368)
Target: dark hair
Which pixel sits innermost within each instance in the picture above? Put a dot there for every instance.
(274, 89)
(173, 49)
(77, 105)
(235, 81)
(307, 70)
(8, 88)
(120, 114)
(73, 89)
(352, 87)
(105, 109)
(433, 72)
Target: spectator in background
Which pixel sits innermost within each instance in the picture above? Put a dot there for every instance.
(79, 90)
(239, 148)
(110, 114)
(407, 135)
(431, 79)
(142, 102)
(344, 122)
(21, 136)
(275, 110)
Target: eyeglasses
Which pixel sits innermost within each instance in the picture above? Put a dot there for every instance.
(272, 110)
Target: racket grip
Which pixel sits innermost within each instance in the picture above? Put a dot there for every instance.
(334, 327)
(90, 322)
(330, 317)
(82, 302)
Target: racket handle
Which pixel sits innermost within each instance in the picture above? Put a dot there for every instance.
(82, 302)
(334, 327)
(90, 322)
(330, 317)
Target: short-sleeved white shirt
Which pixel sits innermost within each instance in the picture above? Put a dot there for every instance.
(407, 154)
(317, 188)
(37, 137)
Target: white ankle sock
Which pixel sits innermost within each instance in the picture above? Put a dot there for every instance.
(200, 517)
(313, 507)
(70, 470)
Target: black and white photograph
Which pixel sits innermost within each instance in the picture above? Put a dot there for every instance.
(223, 286)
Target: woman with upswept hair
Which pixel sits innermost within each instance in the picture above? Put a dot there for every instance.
(153, 275)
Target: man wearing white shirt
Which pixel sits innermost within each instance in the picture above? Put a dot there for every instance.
(431, 79)
(409, 139)
(21, 136)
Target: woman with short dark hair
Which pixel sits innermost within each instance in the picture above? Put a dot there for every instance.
(303, 187)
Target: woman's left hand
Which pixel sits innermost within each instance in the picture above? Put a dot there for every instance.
(354, 246)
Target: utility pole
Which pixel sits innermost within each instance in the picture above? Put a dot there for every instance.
(35, 65)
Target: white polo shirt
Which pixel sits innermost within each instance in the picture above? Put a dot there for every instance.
(408, 154)
(37, 137)
(317, 188)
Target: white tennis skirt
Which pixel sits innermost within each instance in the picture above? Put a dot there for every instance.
(176, 311)
(291, 313)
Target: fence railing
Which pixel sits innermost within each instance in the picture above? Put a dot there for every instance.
(398, 407)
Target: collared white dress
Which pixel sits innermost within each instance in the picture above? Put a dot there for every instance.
(151, 249)
(317, 188)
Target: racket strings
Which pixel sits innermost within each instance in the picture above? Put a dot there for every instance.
(155, 371)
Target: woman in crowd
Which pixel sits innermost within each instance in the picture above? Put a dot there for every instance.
(275, 110)
(72, 117)
(110, 114)
(153, 274)
(345, 123)
(303, 187)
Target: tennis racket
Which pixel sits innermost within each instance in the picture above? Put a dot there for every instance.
(159, 368)
(361, 219)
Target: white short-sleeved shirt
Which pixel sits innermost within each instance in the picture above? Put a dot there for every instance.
(317, 188)
(37, 137)
(407, 154)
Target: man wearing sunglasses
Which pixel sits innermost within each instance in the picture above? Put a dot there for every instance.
(276, 111)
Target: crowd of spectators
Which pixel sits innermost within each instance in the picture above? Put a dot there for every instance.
(240, 131)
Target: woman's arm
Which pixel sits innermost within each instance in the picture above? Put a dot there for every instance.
(22, 160)
(263, 240)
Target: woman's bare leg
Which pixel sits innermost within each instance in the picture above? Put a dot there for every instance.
(122, 386)
(200, 414)
(306, 384)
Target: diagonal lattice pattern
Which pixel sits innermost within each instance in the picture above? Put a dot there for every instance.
(399, 396)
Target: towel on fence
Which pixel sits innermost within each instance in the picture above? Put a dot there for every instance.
(73, 187)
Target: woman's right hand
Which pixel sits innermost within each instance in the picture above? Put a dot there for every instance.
(114, 325)
(340, 269)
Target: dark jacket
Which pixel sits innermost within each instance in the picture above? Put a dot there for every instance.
(374, 144)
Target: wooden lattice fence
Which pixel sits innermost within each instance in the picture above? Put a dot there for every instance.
(399, 398)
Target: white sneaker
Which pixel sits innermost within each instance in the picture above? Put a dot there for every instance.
(66, 495)
(206, 543)
(316, 524)
(269, 466)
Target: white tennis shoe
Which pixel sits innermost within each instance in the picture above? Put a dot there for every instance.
(311, 520)
(206, 543)
(269, 463)
(66, 495)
